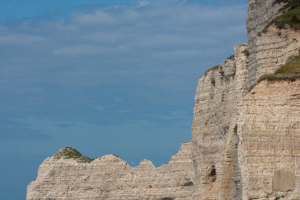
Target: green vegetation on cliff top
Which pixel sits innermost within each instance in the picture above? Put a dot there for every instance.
(232, 57)
(289, 71)
(291, 68)
(291, 16)
(69, 152)
(211, 69)
(289, 4)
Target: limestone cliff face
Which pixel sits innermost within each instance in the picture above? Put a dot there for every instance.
(269, 131)
(109, 177)
(269, 46)
(214, 137)
(268, 116)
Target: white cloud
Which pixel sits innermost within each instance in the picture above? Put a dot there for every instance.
(20, 39)
(143, 3)
(132, 46)
(94, 18)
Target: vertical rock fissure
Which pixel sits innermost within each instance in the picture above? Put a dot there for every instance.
(215, 150)
(236, 176)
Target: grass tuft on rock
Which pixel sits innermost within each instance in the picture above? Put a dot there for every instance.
(273, 77)
(211, 69)
(291, 17)
(288, 72)
(69, 153)
(289, 4)
(291, 68)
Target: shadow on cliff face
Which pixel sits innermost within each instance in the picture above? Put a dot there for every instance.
(212, 174)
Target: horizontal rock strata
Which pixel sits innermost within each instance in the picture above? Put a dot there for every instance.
(269, 46)
(269, 131)
(214, 140)
(109, 177)
(260, 15)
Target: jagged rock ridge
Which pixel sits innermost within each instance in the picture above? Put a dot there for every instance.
(109, 177)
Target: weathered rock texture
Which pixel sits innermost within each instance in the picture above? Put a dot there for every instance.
(269, 46)
(214, 137)
(109, 177)
(269, 131)
(283, 181)
(245, 145)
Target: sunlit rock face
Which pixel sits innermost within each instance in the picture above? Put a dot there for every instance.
(109, 177)
(269, 132)
(268, 121)
(214, 136)
(269, 46)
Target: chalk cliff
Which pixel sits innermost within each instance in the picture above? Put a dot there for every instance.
(245, 132)
(109, 177)
(268, 116)
(269, 132)
(214, 138)
(269, 46)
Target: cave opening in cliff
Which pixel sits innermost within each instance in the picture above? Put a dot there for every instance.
(213, 173)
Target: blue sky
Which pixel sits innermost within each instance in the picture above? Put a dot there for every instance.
(104, 77)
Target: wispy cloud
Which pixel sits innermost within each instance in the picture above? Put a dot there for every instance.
(150, 52)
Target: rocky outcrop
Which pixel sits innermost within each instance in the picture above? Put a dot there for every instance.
(269, 46)
(214, 136)
(245, 134)
(109, 177)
